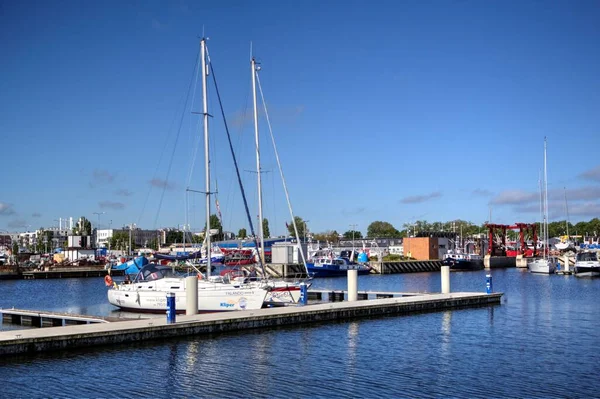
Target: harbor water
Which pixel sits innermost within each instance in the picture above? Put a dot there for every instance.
(541, 342)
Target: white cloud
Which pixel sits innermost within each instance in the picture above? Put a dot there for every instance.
(592, 174)
(6, 209)
(416, 199)
(111, 205)
(514, 197)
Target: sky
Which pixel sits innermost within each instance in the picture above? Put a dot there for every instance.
(381, 110)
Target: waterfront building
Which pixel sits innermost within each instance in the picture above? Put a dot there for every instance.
(139, 237)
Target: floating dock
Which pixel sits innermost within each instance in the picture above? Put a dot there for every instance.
(341, 295)
(32, 341)
(36, 318)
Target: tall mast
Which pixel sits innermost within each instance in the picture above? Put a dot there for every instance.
(567, 209)
(545, 201)
(541, 208)
(261, 236)
(206, 154)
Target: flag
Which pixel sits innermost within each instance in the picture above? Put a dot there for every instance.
(286, 225)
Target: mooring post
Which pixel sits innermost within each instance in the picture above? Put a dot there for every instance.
(191, 295)
(352, 285)
(171, 311)
(303, 294)
(488, 283)
(445, 279)
(566, 261)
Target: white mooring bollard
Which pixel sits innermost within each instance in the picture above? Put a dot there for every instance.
(191, 295)
(445, 279)
(352, 285)
(567, 266)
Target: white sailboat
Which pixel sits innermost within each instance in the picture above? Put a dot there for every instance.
(147, 293)
(546, 264)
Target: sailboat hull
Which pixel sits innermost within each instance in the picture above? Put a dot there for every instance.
(212, 297)
(542, 266)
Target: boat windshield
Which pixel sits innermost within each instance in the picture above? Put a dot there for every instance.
(152, 272)
(587, 257)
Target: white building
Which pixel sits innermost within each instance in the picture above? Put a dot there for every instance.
(396, 249)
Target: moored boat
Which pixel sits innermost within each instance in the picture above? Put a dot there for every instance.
(460, 261)
(545, 265)
(323, 264)
(587, 264)
(148, 293)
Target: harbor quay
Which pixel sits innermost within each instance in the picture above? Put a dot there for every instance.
(31, 341)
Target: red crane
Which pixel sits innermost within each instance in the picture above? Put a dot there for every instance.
(496, 249)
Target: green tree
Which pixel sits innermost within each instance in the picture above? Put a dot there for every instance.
(174, 236)
(153, 243)
(15, 247)
(265, 226)
(382, 229)
(197, 239)
(242, 233)
(299, 224)
(215, 224)
(330, 236)
(119, 240)
(350, 234)
(83, 227)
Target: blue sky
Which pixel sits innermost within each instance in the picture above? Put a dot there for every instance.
(386, 110)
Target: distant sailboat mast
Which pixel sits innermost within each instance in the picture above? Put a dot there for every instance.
(541, 208)
(545, 201)
(567, 209)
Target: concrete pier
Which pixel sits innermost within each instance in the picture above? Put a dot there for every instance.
(520, 261)
(70, 337)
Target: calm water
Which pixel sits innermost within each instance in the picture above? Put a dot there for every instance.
(541, 342)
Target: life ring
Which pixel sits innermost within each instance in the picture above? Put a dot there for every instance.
(108, 280)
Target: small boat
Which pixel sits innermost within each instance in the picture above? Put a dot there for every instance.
(148, 293)
(325, 264)
(587, 264)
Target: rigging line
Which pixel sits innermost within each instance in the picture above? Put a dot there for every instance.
(274, 203)
(287, 195)
(175, 146)
(236, 165)
(164, 146)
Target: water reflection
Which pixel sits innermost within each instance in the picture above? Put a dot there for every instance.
(446, 332)
(353, 330)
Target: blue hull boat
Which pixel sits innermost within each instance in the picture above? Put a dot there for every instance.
(132, 266)
(335, 268)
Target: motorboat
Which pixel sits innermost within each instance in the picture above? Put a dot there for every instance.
(587, 264)
(326, 264)
(461, 261)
